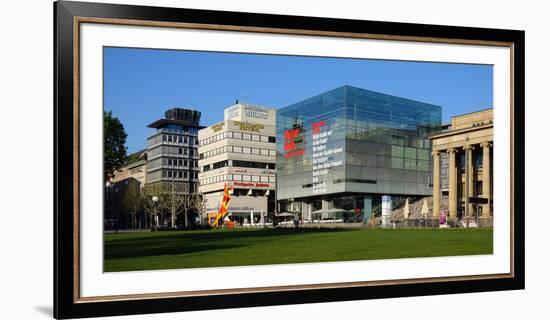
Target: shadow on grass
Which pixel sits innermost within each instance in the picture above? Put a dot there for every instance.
(177, 243)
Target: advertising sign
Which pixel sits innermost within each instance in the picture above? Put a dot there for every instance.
(386, 211)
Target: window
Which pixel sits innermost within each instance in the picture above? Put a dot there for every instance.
(185, 164)
(180, 162)
(272, 179)
(255, 151)
(180, 151)
(229, 134)
(410, 153)
(256, 178)
(184, 139)
(246, 177)
(185, 174)
(237, 135)
(423, 154)
(164, 137)
(397, 163)
(264, 178)
(169, 138)
(264, 138)
(265, 152)
(246, 150)
(180, 139)
(169, 162)
(272, 153)
(246, 136)
(180, 174)
(237, 149)
(237, 177)
(410, 164)
(397, 151)
(255, 137)
(272, 139)
(423, 165)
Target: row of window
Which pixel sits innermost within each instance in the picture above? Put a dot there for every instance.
(237, 177)
(179, 139)
(171, 150)
(179, 174)
(180, 162)
(237, 135)
(238, 163)
(236, 149)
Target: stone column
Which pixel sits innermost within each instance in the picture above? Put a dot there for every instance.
(470, 175)
(452, 183)
(436, 185)
(486, 178)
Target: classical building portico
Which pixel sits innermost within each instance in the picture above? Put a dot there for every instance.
(466, 148)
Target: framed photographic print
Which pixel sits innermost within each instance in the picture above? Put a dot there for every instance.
(208, 159)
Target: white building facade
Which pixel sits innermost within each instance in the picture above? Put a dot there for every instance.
(239, 152)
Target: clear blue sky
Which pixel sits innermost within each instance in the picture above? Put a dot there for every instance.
(140, 84)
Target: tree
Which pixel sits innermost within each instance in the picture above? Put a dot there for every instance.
(177, 201)
(191, 201)
(132, 201)
(151, 207)
(173, 202)
(114, 140)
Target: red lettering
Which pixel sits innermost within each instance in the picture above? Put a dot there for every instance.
(294, 154)
(316, 126)
(290, 135)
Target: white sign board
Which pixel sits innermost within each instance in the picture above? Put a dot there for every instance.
(250, 113)
(386, 211)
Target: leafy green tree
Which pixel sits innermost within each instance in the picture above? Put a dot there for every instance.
(114, 139)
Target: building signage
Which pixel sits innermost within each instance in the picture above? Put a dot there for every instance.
(218, 127)
(245, 126)
(257, 112)
(290, 147)
(251, 184)
(322, 156)
(233, 112)
(250, 113)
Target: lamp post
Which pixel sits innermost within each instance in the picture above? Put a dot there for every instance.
(155, 201)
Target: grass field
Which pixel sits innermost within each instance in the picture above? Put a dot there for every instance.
(238, 247)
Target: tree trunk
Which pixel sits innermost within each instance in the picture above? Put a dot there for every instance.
(185, 216)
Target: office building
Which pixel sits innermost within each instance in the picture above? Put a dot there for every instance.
(239, 152)
(172, 150)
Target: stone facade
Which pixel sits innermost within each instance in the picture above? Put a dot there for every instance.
(468, 146)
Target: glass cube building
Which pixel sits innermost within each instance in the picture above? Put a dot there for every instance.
(340, 151)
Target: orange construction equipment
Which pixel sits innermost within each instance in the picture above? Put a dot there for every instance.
(224, 205)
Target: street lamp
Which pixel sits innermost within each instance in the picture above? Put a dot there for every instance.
(155, 201)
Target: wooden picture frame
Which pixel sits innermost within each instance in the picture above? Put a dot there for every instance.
(69, 16)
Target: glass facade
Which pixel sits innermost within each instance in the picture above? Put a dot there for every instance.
(350, 141)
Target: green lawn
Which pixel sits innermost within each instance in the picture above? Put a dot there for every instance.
(238, 247)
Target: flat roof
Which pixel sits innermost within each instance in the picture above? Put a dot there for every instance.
(163, 122)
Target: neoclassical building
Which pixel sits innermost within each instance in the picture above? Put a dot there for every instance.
(467, 140)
